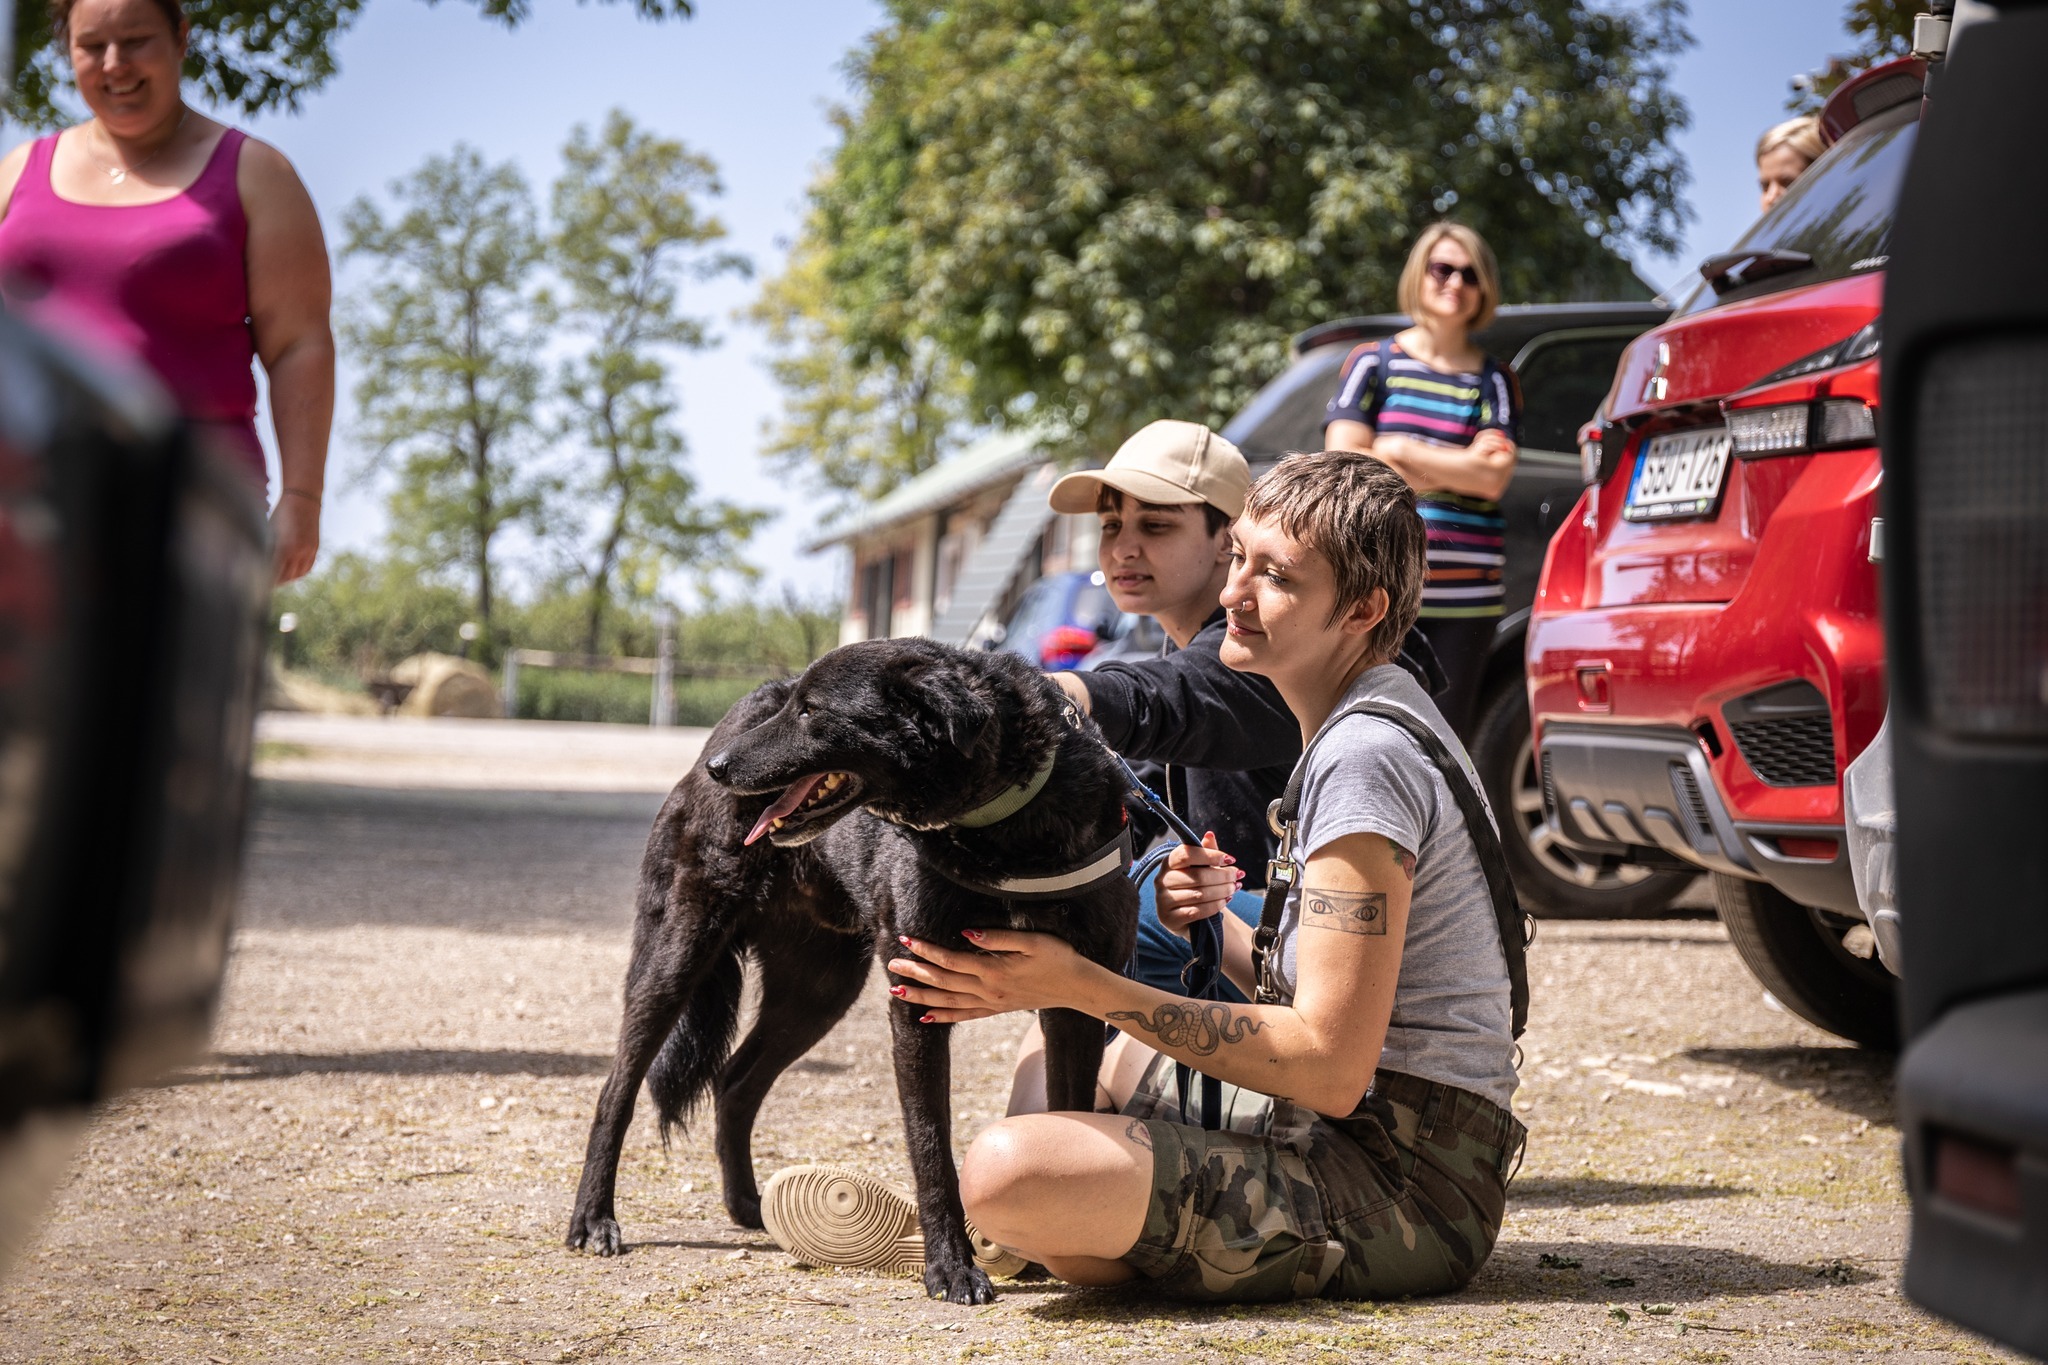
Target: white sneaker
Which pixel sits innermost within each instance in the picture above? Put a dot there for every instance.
(832, 1216)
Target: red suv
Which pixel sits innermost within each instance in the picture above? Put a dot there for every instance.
(1705, 653)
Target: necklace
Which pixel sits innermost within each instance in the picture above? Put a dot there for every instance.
(117, 174)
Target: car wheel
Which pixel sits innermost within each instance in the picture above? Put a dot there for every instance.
(1552, 879)
(1797, 953)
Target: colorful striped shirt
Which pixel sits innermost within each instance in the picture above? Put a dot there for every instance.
(1467, 536)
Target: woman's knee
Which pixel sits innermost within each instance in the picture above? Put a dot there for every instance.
(998, 1163)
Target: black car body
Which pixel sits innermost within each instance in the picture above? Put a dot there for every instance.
(134, 569)
(1965, 505)
(1564, 356)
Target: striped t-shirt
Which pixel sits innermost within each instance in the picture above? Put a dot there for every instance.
(1467, 536)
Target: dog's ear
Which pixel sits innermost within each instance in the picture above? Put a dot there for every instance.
(949, 703)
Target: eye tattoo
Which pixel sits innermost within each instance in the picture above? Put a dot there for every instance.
(1200, 1027)
(1348, 912)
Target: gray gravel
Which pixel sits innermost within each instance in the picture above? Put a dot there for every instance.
(378, 1163)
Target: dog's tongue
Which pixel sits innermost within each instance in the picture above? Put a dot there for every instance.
(791, 798)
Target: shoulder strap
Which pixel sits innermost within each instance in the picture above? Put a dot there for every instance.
(1514, 938)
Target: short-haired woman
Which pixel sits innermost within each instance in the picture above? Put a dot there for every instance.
(1447, 418)
(182, 242)
(1384, 1019)
(1782, 155)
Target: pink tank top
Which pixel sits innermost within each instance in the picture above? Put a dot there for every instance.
(166, 283)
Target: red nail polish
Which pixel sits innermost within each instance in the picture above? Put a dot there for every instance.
(899, 990)
(974, 934)
(927, 1019)
(903, 939)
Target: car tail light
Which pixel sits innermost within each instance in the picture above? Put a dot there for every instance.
(1859, 345)
(1776, 430)
(1981, 1176)
(1981, 485)
(1796, 428)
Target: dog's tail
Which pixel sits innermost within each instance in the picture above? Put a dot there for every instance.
(687, 1067)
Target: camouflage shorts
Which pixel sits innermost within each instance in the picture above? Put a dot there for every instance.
(1403, 1197)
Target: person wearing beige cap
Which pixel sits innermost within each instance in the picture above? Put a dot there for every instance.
(1226, 739)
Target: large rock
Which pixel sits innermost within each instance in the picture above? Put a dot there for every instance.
(443, 685)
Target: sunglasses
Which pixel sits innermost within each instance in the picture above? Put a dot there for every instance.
(1443, 272)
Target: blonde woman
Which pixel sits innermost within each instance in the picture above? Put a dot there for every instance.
(1783, 154)
(1446, 417)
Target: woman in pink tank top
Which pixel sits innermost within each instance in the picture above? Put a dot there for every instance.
(184, 244)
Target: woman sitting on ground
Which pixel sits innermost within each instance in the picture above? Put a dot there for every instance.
(1367, 1136)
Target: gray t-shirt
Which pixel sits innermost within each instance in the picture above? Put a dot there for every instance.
(1451, 1020)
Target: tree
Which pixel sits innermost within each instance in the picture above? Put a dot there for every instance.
(1882, 29)
(446, 338)
(627, 235)
(1106, 211)
(251, 55)
(856, 428)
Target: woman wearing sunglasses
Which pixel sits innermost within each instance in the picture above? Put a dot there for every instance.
(1446, 417)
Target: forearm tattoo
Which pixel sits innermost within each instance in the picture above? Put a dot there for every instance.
(1196, 1026)
(1348, 912)
(1404, 858)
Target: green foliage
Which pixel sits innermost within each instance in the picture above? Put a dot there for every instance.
(447, 341)
(251, 55)
(856, 428)
(357, 616)
(1882, 29)
(622, 698)
(627, 233)
(1105, 211)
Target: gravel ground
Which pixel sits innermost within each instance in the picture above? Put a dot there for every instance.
(378, 1162)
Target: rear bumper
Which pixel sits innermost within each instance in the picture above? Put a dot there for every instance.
(1979, 1078)
(1647, 792)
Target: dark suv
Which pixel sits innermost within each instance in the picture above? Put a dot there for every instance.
(1565, 357)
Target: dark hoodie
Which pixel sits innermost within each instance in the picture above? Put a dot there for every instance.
(1227, 740)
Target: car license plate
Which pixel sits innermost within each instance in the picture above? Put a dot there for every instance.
(1678, 476)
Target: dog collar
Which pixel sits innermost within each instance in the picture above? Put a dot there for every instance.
(1113, 859)
(1011, 801)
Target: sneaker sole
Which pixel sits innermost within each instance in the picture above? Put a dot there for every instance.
(834, 1216)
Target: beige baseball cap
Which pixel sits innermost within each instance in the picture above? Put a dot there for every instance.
(1165, 462)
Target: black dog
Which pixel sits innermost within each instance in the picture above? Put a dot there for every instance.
(906, 738)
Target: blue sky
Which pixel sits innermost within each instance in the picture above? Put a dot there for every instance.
(749, 83)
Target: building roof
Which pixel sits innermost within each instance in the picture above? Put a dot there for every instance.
(988, 461)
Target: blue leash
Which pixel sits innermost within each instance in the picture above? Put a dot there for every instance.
(1203, 977)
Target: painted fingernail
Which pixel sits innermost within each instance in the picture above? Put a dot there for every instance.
(1229, 861)
(927, 1019)
(904, 940)
(899, 990)
(974, 934)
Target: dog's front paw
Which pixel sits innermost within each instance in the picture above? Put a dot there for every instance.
(745, 1210)
(595, 1232)
(966, 1284)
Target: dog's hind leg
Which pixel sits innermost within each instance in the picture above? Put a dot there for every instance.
(664, 974)
(808, 982)
(1073, 1057)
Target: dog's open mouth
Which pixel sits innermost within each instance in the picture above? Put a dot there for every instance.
(804, 801)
